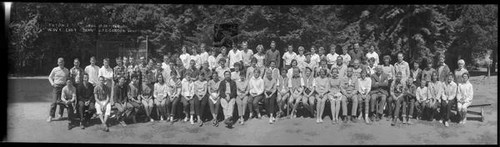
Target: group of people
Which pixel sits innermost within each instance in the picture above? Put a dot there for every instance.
(352, 82)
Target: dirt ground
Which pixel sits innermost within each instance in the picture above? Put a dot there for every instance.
(29, 102)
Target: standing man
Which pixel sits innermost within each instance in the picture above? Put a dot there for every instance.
(203, 56)
(443, 69)
(86, 101)
(107, 73)
(93, 71)
(235, 55)
(227, 94)
(273, 55)
(130, 67)
(57, 79)
(288, 57)
(76, 73)
(403, 67)
(340, 66)
(356, 53)
(380, 85)
(247, 54)
(345, 56)
(166, 68)
(372, 54)
(119, 71)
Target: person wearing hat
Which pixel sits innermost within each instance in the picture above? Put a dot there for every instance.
(460, 71)
(379, 94)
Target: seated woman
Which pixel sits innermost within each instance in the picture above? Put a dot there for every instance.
(464, 97)
(160, 94)
(322, 87)
(256, 89)
(295, 85)
(309, 93)
(173, 93)
(242, 98)
(335, 96)
(147, 100)
(270, 95)
(214, 103)
(283, 93)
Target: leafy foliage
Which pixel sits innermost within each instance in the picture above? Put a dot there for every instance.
(420, 31)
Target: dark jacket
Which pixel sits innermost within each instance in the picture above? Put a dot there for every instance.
(382, 87)
(120, 93)
(222, 89)
(85, 93)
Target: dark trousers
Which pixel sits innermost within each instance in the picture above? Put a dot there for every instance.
(420, 107)
(432, 110)
(56, 91)
(136, 108)
(270, 104)
(200, 105)
(253, 103)
(71, 115)
(171, 106)
(188, 105)
(410, 104)
(82, 108)
(381, 98)
(445, 110)
(400, 103)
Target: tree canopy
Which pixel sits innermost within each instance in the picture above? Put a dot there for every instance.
(420, 31)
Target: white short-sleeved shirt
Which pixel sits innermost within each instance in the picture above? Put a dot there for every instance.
(315, 60)
(346, 59)
(212, 62)
(260, 60)
(185, 58)
(374, 55)
(202, 58)
(234, 57)
(93, 72)
(301, 61)
(196, 59)
(247, 55)
(332, 58)
(288, 57)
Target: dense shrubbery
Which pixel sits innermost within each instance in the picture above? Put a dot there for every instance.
(421, 31)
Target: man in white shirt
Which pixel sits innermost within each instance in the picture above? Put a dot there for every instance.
(57, 79)
(332, 56)
(166, 68)
(314, 57)
(345, 56)
(93, 71)
(234, 56)
(371, 53)
(246, 54)
(107, 72)
(402, 66)
(301, 58)
(288, 57)
(185, 57)
(196, 57)
(203, 56)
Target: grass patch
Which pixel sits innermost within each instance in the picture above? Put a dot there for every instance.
(194, 130)
(359, 138)
(447, 134)
(485, 138)
(311, 134)
(146, 136)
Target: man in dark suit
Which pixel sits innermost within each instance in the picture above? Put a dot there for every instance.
(227, 94)
(379, 94)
